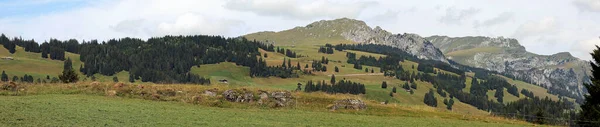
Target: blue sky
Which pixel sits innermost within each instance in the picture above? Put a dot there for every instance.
(542, 26)
(29, 8)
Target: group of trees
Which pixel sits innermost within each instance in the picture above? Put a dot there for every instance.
(318, 65)
(449, 103)
(328, 49)
(287, 52)
(9, 45)
(341, 86)
(430, 99)
(286, 70)
(27, 79)
(169, 59)
(527, 93)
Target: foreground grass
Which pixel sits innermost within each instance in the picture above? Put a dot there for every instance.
(89, 110)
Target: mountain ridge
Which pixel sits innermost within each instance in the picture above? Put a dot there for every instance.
(346, 30)
(561, 73)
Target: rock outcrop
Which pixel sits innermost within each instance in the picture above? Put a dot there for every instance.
(349, 104)
(561, 72)
(277, 98)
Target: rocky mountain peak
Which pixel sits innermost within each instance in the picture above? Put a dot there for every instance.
(561, 71)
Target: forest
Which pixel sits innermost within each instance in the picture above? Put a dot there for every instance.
(451, 85)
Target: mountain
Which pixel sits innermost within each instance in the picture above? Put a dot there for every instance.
(346, 30)
(561, 73)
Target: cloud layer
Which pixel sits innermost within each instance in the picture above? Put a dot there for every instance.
(541, 29)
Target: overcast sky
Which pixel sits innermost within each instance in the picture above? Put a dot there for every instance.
(542, 26)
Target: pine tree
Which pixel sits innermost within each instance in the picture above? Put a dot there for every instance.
(283, 64)
(131, 78)
(4, 77)
(299, 88)
(289, 63)
(336, 69)
(384, 85)
(394, 89)
(332, 80)
(590, 109)
(68, 75)
(298, 65)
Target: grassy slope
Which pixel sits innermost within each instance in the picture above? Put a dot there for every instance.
(308, 35)
(33, 64)
(85, 110)
(236, 75)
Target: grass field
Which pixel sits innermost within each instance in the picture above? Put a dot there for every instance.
(88, 110)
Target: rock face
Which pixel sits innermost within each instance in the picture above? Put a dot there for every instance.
(561, 72)
(359, 31)
(410, 43)
(349, 104)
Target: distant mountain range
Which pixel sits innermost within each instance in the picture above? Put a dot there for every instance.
(561, 73)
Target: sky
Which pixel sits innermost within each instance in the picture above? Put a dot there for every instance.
(542, 26)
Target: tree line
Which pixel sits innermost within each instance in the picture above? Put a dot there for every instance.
(341, 86)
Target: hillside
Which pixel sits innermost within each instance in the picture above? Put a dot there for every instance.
(346, 30)
(416, 74)
(561, 72)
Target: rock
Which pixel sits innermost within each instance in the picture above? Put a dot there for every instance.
(210, 93)
(247, 97)
(230, 95)
(410, 43)
(349, 104)
(264, 96)
(282, 98)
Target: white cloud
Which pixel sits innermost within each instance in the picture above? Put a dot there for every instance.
(296, 9)
(541, 27)
(458, 16)
(501, 18)
(191, 24)
(585, 47)
(587, 5)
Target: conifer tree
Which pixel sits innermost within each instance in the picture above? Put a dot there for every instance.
(590, 109)
(68, 75)
(4, 77)
(332, 79)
